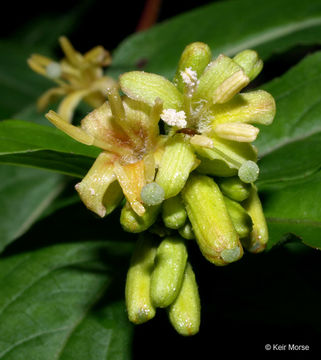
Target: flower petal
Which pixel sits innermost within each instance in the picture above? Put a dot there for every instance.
(107, 134)
(232, 152)
(146, 87)
(99, 190)
(71, 130)
(73, 56)
(230, 87)
(98, 56)
(250, 62)
(214, 75)
(131, 178)
(68, 105)
(48, 96)
(256, 107)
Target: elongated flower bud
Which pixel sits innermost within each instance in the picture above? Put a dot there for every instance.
(240, 218)
(177, 162)
(174, 213)
(184, 313)
(131, 222)
(257, 240)
(212, 225)
(138, 302)
(168, 273)
(234, 188)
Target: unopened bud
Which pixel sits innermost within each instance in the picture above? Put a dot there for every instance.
(168, 273)
(184, 313)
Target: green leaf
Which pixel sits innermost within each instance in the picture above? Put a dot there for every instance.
(294, 208)
(24, 195)
(290, 155)
(227, 27)
(290, 147)
(19, 85)
(35, 145)
(60, 302)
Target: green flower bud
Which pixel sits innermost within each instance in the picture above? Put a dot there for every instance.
(240, 218)
(250, 62)
(234, 188)
(137, 293)
(131, 222)
(185, 312)
(248, 172)
(173, 212)
(168, 273)
(187, 232)
(195, 56)
(177, 162)
(257, 240)
(212, 225)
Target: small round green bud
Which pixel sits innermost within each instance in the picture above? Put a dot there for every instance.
(152, 194)
(249, 171)
(53, 70)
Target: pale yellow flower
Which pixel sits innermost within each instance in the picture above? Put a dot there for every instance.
(79, 77)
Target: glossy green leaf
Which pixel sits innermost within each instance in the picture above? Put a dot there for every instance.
(290, 155)
(290, 147)
(60, 303)
(41, 146)
(228, 27)
(294, 208)
(24, 195)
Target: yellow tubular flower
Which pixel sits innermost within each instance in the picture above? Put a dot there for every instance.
(127, 132)
(79, 77)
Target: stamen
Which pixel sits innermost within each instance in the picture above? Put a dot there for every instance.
(230, 87)
(189, 77)
(118, 111)
(202, 140)
(237, 131)
(174, 118)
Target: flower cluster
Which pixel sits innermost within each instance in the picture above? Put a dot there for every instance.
(194, 181)
(79, 77)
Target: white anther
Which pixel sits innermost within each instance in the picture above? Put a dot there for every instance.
(189, 77)
(174, 118)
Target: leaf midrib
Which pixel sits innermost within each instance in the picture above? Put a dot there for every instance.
(275, 33)
(277, 220)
